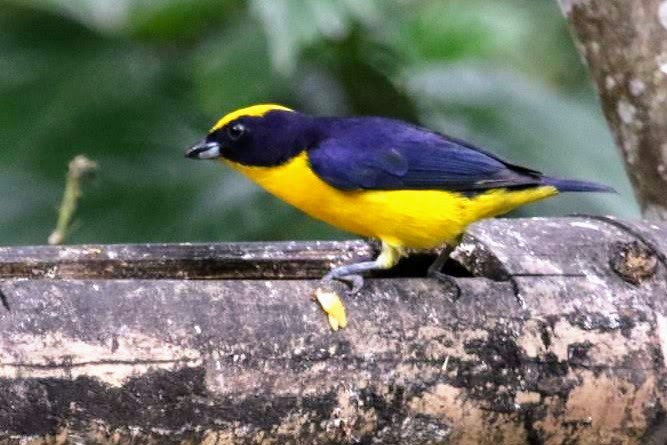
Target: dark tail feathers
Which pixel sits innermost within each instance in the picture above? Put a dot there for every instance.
(573, 185)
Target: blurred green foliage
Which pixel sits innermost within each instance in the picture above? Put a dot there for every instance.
(131, 83)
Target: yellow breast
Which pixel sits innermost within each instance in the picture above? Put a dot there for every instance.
(403, 218)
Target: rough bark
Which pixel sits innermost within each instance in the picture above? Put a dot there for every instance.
(625, 45)
(559, 335)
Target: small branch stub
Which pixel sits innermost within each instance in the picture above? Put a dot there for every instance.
(80, 168)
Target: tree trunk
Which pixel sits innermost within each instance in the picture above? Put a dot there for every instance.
(625, 45)
(559, 335)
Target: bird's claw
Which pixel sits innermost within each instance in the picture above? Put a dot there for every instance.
(448, 280)
(3, 300)
(356, 282)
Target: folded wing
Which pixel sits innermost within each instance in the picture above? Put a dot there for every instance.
(390, 155)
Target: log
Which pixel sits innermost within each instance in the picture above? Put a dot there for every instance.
(624, 43)
(558, 335)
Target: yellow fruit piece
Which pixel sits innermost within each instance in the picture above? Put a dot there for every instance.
(333, 306)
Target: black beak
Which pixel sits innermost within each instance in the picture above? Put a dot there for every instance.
(203, 150)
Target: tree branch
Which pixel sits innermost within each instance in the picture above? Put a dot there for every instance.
(558, 337)
(625, 45)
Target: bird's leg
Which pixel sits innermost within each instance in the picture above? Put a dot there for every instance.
(351, 273)
(435, 269)
(330, 300)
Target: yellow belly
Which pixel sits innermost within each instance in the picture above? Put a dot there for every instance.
(419, 219)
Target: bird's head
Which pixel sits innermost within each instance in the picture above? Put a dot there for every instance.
(260, 135)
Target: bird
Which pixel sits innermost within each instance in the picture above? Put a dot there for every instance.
(377, 177)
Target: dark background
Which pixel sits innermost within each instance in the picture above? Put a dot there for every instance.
(132, 83)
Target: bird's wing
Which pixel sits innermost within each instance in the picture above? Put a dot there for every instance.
(416, 159)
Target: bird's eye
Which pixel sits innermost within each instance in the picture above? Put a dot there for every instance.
(236, 131)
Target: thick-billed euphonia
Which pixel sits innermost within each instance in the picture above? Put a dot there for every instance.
(382, 178)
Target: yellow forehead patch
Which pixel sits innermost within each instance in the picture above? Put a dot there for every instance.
(252, 111)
